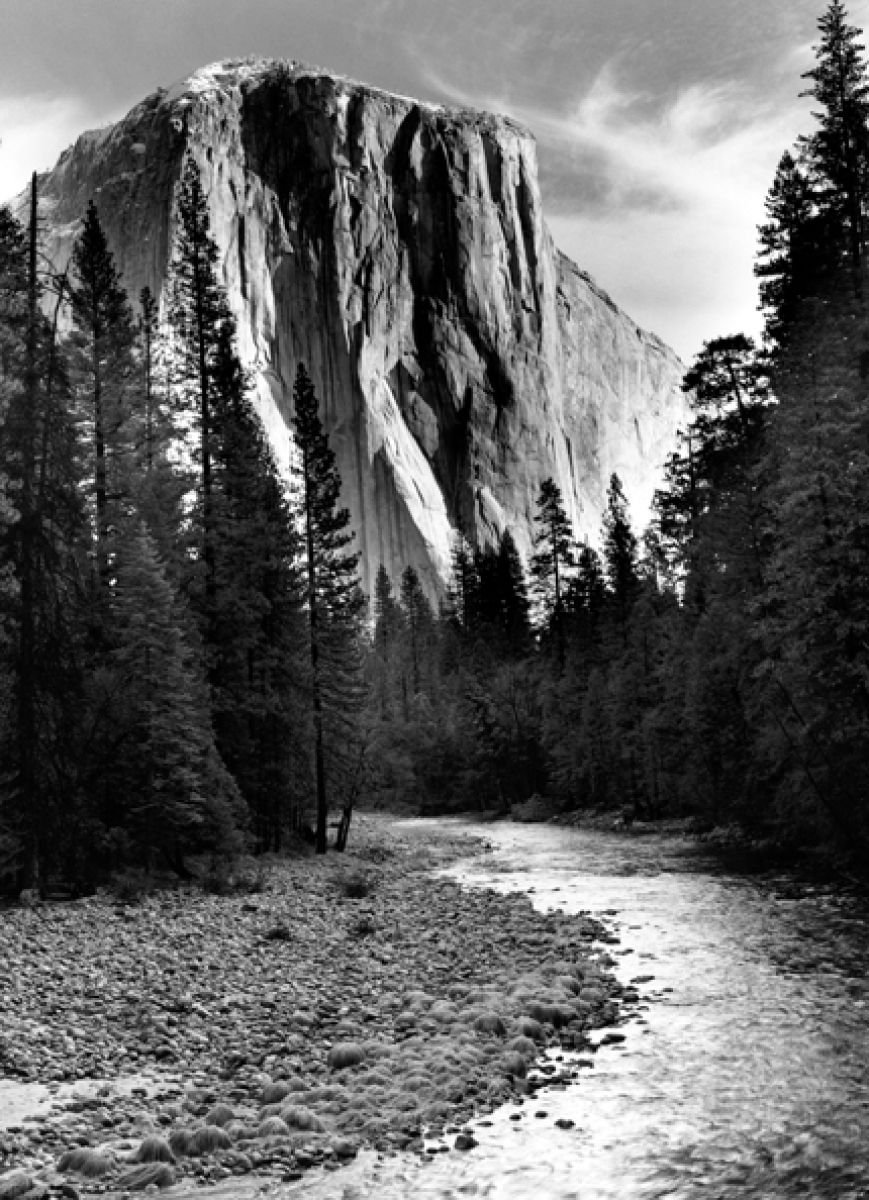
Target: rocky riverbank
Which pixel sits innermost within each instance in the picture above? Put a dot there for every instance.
(357, 1000)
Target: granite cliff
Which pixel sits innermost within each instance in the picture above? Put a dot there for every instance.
(400, 251)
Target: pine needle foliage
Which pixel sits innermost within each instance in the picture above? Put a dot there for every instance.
(335, 609)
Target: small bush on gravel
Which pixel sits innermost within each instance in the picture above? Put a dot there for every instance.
(85, 1161)
(220, 1114)
(299, 1117)
(179, 1140)
(154, 1149)
(145, 1176)
(273, 1127)
(208, 1139)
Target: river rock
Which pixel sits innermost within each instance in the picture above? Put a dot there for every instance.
(346, 1054)
(13, 1186)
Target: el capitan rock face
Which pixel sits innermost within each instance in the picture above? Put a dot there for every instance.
(398, 250)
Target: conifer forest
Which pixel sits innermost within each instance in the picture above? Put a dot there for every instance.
(189, 667)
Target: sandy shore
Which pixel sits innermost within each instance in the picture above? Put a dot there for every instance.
(359, 1000)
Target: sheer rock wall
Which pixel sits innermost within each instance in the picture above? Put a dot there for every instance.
(399, 250)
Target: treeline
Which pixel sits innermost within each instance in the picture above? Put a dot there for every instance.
(174, 621)
(186, 666)
(720, 666)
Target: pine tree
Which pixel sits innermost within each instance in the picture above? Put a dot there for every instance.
(161, 477)
(500, 607)
(335, 604)
(178, 797)
(515, 607)
(620, 553)
(419, 624)
(39, 545)
(709, 516)
(790, 256)
(257, 622)
(102, 368)
(552, 561)
(248, 596)
(197, 313)
(838, 152)
(815, 621)
(464, 585)
(389, 630)
(13, 316)
(586, 601)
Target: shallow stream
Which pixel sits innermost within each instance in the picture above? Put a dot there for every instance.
(745, 1075)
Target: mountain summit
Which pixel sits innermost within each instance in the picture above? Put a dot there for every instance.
(399, 250)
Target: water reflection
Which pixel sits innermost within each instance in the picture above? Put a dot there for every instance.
(745, 1075)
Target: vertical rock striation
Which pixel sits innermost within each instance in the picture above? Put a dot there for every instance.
(400, 251)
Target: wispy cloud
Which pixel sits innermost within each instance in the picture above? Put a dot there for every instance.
(687, 170)
(705, 144)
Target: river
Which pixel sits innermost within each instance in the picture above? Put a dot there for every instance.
(745, 1074)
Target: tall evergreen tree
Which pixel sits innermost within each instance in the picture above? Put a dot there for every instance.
(838, 152)
(38, 549)
(177, 794)
(197, 312)
(620, 553)
(389, 629)
(710, 513)
(102, 369)
(500, 607)
(257, 622)
(335, 603)
(815, 625)
(419, 624)
(552, 561)
(464, 584)
(162, 478)
(247, 595)
(790, 255)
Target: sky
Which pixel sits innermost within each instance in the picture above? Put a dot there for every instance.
(659, 122)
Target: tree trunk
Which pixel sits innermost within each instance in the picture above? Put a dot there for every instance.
(27, 634)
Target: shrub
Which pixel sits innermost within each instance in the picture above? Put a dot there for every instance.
(273, 1127)
(145, 1176)
(220, 1114)
(489, 1022)
(209, 1138)
(179, 1141)
(299, 1117)
(154, 1149)
(85, 1161)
